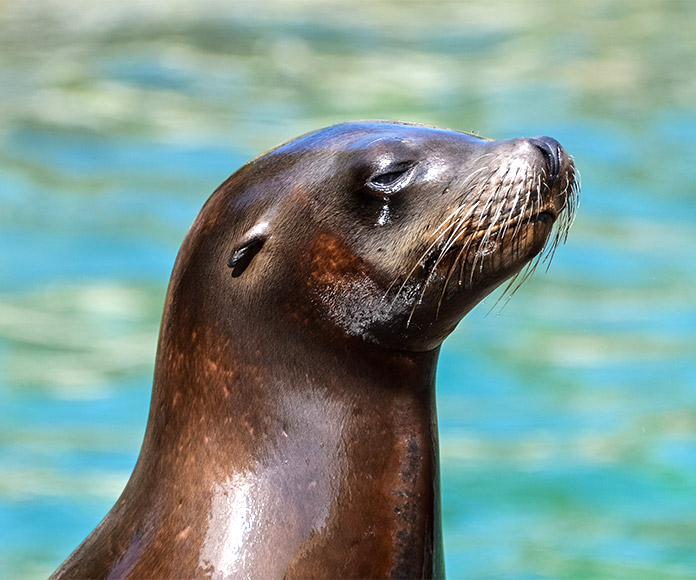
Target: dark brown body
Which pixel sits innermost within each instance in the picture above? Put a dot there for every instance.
(292, 430)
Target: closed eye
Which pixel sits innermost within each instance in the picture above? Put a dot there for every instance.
(388, 178)
(391, 181)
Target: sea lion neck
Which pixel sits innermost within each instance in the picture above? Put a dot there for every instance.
(215, 377)
(335, 461)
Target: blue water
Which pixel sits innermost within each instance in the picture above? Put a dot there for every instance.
(567, 418)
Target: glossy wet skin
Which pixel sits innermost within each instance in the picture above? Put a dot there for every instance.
(292, 430)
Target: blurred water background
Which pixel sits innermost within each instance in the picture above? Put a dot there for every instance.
(567, 419)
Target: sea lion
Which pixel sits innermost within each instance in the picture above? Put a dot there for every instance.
(292, 429)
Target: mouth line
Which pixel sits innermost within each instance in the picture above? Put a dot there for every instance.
(547, 215)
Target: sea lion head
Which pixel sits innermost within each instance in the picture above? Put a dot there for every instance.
(387, 233)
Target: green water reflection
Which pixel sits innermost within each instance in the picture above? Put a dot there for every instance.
(567, 419)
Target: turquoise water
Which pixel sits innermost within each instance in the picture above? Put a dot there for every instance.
(567, 418)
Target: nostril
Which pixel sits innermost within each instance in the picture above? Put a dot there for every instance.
(552, 154)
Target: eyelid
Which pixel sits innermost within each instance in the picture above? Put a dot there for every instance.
(391, 179)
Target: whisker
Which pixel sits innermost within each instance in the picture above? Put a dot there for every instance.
(493, 208)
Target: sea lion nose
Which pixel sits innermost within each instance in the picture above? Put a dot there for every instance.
(551, 149)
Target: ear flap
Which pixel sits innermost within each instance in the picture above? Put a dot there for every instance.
(242, 256)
